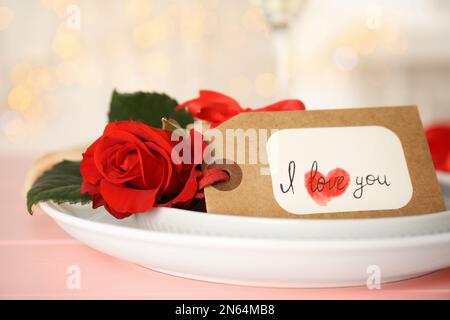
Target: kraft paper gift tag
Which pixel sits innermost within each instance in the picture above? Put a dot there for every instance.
(345, 163)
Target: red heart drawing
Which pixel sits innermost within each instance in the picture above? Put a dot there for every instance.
(323, 189)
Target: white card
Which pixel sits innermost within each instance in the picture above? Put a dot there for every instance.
(338, 169)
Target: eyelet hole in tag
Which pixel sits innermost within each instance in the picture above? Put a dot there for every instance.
(233, 170)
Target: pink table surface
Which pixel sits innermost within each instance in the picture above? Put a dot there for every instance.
(35, 255)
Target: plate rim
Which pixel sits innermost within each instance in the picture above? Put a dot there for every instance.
(443, 177)
(240, 242)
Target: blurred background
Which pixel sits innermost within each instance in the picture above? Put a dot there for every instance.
(61, 59)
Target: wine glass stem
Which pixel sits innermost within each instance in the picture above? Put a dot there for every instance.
(282, 52)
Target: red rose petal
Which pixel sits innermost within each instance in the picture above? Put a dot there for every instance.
(216, 107)
(130, 170)
(188, 191)
(142, 132)
(88, 168)
(438, 137)
(124, 199)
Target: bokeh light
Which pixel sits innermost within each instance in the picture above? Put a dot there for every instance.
(334, 54)
(153, 31)
(20, 98)
(137, 10)
(195, 21)
(6, 17)
(66, 44)
(59, 7)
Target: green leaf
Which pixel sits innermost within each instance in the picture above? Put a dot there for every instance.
(148, 108)
(61, 183)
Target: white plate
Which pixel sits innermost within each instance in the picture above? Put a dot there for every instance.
(444, 181)
(311, 253)
(444, 178)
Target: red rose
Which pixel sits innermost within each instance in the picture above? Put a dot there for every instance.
(438, 137)
(216, 108)
(129, 170)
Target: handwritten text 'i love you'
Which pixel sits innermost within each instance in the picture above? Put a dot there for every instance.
(323, 189)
